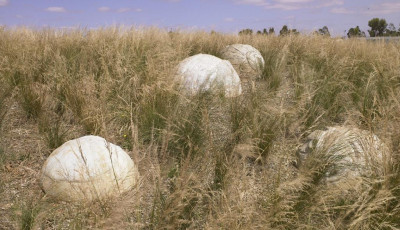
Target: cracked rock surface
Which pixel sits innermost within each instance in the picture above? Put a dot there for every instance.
(88, 168)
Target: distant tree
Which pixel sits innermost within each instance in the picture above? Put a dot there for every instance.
(391, 30)
(271, 30)
(324, 31)
(355, 32)
(378, 27)
(246, 32)
(284, 31)
(391, 27)
(263, 32)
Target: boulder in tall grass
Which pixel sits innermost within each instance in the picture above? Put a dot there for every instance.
(247, 60)
(86, 169)
(343, 152)
(203, 72)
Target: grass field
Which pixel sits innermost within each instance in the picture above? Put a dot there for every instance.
(205, 162)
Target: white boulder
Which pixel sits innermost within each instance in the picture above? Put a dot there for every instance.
(203, 72)
(350, 151)
(88, 168)
(247, 60)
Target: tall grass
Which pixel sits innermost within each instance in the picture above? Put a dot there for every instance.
(29, 213)
(208, 161)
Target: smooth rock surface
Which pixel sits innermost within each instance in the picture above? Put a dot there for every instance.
(354, 152)
(88, 168)
(247, 60)
(203, 72)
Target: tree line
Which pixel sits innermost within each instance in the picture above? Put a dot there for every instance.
(284, 31)
(378, 28)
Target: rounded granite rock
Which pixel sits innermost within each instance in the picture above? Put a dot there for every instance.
(351, 152)
(247, 60)
(203, 72)
(86, 169)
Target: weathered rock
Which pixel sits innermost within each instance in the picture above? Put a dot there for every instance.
(247, 60)
(88, 168)
(203, 72)
(351, 151)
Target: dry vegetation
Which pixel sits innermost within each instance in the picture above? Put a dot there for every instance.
(117, 83)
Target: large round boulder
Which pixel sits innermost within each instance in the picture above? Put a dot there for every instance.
(203, 72)
(346, 152)
(247, 60)
(86, 169)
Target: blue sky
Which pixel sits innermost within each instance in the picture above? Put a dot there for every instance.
(228, 16)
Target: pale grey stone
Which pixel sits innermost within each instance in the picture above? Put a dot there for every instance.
(352, 152)
(247, 60)
(88, 168)
(203, 72)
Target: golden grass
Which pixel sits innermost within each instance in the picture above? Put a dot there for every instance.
(118, 83)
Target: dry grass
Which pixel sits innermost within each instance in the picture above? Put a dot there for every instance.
(205, 161)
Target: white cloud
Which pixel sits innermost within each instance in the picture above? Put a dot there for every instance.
(283, 6)
(341, 10)
(383, 8)
(104, 9)
(331, 3)
(229, 19)
(377, 9)
(3, 3)
(293, 1)
(267, 5)
(120, 10)
(252, 2)
(291, 4)
(123, 10)
(56, 9)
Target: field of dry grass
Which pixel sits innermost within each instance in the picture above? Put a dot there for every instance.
(118, 83)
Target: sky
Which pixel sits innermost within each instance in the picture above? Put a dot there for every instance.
(228, 16)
